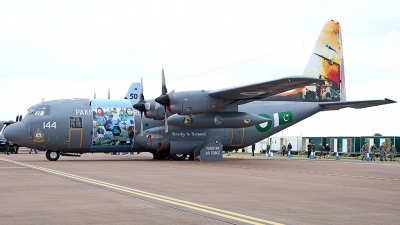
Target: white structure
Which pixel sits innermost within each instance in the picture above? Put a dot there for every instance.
(277, 142)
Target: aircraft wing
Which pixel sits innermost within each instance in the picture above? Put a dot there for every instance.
(354, 104)
(261, 90)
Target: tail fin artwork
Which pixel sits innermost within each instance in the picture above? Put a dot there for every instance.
(326, 62)
(133, 93)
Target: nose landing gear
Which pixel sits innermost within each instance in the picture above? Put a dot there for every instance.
(52, 155)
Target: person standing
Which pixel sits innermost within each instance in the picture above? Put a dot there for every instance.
(7, 145)
(253, 148)
(268, 148)
(382, 152)
(289, 147)
(33, 150)
(393, 153)
(283, 149)
(364, 151)
(327, 151)
(308, 150)
(321, 150)
(372, 151)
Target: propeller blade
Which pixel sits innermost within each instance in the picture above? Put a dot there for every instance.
(141, 106)
(16, 119)
(171, 94)
(141, 90)
(147, 106)
(20, 117)
(163, 99)
(141, 124)
(163, 85)
(166, 119)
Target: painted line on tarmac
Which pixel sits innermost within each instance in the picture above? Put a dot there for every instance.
(375, 163)
(12, 167)
(303, 172)
(233, 157)
(173, 201)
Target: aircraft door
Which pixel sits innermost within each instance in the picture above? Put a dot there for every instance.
(237, 136)
(75, 132)
(75, 138)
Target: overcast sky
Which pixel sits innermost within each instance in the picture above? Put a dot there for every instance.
(69, 49)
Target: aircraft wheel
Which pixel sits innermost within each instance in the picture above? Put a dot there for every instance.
(52, 155)
(161, 155)
(178, 157)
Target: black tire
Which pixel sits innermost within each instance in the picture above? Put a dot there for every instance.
(160, 155)
(52, 155)
(178, 157)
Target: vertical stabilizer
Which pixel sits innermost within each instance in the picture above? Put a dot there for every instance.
(133, 93)
(326, 62)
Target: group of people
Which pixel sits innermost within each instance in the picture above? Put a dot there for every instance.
(382, 152)
(7, 148)
(323, 151)
(7, 151)
(286, 150)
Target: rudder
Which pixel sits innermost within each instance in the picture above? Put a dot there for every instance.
(326, 62)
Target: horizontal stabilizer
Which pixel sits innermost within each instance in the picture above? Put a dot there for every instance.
(354, 104)
(264, 89)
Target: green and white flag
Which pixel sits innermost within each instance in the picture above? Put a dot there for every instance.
(282, 118)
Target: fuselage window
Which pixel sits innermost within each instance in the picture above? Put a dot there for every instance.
(75, 122)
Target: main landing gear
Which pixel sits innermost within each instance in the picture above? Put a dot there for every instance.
(160, 155)
(165, 155)
(178, 157)
(52, 155)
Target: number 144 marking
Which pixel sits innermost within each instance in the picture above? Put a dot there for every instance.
(49, 125)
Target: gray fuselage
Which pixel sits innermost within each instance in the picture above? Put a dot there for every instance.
(101, 125)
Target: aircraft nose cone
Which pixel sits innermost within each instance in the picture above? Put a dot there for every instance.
(16, 133)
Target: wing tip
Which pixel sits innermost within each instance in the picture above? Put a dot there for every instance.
(390, 101)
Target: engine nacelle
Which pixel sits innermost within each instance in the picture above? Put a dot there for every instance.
(195, 102)
(153, 139)
(217, 120)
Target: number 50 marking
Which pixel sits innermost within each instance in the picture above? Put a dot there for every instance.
(47, 125)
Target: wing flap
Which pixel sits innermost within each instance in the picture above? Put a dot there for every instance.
(264, 89)
(354, 104)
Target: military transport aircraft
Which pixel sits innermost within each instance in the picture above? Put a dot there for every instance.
(178, 124)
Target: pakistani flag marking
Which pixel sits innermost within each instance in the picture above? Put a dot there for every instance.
(282, 118)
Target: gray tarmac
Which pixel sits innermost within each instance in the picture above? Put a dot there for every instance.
(134, 189)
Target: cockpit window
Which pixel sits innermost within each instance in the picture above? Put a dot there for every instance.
(42, 110)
